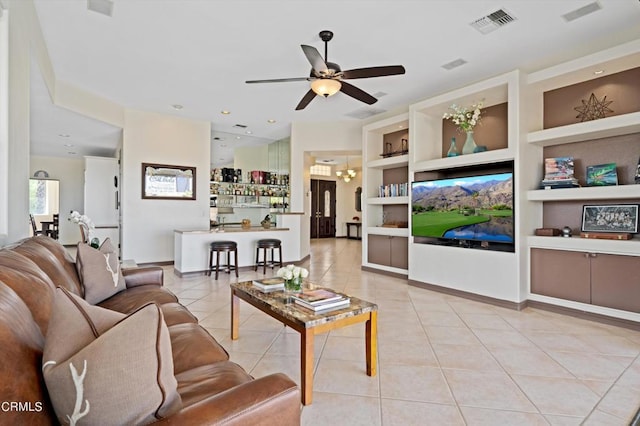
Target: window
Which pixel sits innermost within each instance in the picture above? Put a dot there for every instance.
(321, 170)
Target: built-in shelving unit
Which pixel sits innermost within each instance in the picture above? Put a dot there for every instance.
(384, 248)
(615, 60)
(488, 273)
(508, 276)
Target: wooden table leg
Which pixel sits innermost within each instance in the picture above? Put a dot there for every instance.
(235, 315)
(371, 338)
(306, 365)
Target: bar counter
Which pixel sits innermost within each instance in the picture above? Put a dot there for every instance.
(191, 246)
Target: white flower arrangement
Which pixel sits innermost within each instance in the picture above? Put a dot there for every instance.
(463, 117)
(290, 272)
(81, 219)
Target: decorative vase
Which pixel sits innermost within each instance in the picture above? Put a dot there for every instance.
(294, 285)
(453, 149)
(470, 144)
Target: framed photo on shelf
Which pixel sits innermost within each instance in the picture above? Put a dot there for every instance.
(602, 175)
(621, 218)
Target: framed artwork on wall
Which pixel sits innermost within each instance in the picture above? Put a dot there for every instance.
(621, 218)
(166, 182)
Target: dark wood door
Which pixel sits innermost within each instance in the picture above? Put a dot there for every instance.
(323, 208)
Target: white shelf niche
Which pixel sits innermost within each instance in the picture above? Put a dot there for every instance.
(383, 230)
(622, 247)
(617, 125)
(387, 200)
(588, 193)
(425, 133)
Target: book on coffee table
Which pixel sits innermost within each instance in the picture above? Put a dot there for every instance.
(269, 284)
(320, 300)
(335, 304)
(317, 297)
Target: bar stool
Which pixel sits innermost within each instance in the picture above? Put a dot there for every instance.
(264, 244)
(218, 247)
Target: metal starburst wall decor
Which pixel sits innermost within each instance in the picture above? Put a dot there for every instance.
(593, 109)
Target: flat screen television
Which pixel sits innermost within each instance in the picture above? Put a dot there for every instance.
(473, 211)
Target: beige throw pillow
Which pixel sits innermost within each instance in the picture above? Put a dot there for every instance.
(104, 368)
(99, 271)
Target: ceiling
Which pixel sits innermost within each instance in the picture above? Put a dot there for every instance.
(152, 55)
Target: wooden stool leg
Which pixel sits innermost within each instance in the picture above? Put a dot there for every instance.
(217, 262)
(236, 262)
(280, 255)
(255, 267)
(264, 264)
(210, 262)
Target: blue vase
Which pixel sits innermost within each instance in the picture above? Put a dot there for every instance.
(453, 149)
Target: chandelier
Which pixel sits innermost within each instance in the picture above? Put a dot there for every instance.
(346, 175)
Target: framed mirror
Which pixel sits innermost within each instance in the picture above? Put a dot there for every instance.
(166, 182)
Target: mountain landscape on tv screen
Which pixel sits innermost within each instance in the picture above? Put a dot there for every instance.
(478, 208)
(490, 193)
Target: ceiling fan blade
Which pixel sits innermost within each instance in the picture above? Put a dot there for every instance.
(278, 80)
(306, 99)
(373, 72)
(315, 59)
(356, 93)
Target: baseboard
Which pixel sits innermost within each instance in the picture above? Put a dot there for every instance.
(383, 272)
(242, 268)
(591, 316)
(517, 306)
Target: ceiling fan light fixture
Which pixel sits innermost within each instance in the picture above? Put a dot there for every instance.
(325, 86)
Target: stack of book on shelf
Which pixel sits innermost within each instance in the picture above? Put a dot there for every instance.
(558, 173)
(320, 300)
(394, 190)
(269, 284)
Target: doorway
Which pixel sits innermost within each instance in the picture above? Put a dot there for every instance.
(323, 208)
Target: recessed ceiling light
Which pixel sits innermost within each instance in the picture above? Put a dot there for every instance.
(64, 135)
(400, 126)
(238, 137)
(271, 121)
(68, 145)
(248, 132)
(177, 106)
(225, 112)
(598, 72)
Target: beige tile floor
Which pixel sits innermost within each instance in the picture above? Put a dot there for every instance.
(443, 360)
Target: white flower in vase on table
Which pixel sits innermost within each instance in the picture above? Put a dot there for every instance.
(466, 118)
(293, 276)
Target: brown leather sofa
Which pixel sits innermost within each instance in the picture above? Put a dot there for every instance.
(213, 389)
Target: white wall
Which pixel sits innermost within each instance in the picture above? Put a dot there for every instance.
(70, 173)
(148, 225)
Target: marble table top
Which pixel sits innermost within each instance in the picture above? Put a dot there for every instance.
(281, 303)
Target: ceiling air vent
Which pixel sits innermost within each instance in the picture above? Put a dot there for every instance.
(365, 113)
(492, 21)
(104, 7)
(454, 64)
(240, 126)
(582, 11)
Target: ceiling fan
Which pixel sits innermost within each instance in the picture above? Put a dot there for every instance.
(327, 78)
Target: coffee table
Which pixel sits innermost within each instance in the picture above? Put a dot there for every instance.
(279, 305)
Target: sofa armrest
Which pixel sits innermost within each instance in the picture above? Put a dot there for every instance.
(270, 400)
(134, 277)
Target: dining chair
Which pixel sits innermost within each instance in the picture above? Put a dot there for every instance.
(35, 229)
(54, 232)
